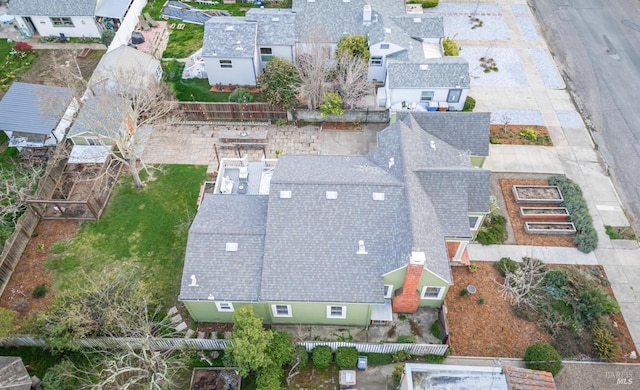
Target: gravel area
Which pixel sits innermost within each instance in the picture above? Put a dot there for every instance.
(510, 71)
(546, 68)
(517, 117)
(600, 376)
(527, 28)
(457, 21)
(569, 119)
(520, 10)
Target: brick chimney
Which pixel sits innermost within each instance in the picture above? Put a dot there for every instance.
(407, 298)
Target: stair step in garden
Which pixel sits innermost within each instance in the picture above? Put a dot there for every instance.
(177, 318)
(181, 326)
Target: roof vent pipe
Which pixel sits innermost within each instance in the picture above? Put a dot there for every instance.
(433, 144)
(361, 248)
(194, 282)
(392, 162)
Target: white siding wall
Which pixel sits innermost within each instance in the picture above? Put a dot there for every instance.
(128, 25)
(83, 26)
(379, 72)
(241, 73)
(411, 95)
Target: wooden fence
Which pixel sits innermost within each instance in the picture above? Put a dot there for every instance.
(249, 112)
(26, 225)
(213, 344)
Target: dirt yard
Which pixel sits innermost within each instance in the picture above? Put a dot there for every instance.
(53, 67)
(30, 271)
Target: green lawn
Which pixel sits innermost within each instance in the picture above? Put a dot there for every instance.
(40, 360)
(185, 42)
(147, 227)
(13, 66)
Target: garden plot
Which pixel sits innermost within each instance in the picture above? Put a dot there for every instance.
(482, 22)
(507, 70)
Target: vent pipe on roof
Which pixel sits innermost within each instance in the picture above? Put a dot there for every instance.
(361, 249)
(433, 144)
(194, 282)
(392, 162)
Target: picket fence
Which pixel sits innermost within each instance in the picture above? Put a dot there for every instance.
(215, 344)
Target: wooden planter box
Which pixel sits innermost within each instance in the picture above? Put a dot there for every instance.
(544, 212)
(558, 228)
(537, 194)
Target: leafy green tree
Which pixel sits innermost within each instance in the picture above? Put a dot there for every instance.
(331, 104)
(279, 82)
(250, 341)
(355, 45)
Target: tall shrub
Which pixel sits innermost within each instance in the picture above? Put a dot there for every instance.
(346, 357)
(322, 356)
(542, 356)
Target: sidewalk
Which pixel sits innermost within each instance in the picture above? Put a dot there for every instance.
(526, 86)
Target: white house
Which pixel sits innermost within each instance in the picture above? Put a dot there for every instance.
(236, 50)
(409, 45)
(73, 18)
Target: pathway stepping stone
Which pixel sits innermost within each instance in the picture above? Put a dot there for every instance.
(181, 326)
(177, 318)
(173, 311)
(200, 335)
(189, 334)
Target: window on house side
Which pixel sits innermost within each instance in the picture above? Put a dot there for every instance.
(429, 292)
(226, 64)
(474, 222)
(62, 22)
(224, 306)
(384, 46)
(388, 290)
(426, 96)
(281, 310)
(336, 311)
(266, 54)
(92, 141)
(375, 61)
(454, 95)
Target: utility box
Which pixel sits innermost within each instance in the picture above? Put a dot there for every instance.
(362, 363)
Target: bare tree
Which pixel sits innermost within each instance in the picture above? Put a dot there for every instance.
(314, 66)
(118, 106)
(352, 79)
(523, 286)
(17, 184)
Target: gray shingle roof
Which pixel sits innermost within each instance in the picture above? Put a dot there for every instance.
(33, 108)
(421, 26)
(52, 8)
(229, 37)
(13, 374)
(468, 131)
(275, 26)
(100, 116)
(312, 242)
(226, 275)
(445, 72)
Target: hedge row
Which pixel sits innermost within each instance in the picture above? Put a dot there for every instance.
(586, 237)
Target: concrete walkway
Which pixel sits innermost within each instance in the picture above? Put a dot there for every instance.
(573, 154)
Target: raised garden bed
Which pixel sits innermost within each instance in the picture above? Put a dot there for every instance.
(544, 212)
(537, 194)
(215, 378)
(549, 227)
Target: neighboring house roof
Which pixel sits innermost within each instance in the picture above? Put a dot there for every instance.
(52, 8)
(275, 26)
(124, 59)
(312, 242)
(445, 72)
(229, 37)
(525, 379)
(226, 275)
(100, 116)
(468, 131)
(112, 8)
(13, 374)
(421, 26)
(33, 108)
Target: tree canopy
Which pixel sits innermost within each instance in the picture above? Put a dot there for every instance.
(355, 45)
(280, 82)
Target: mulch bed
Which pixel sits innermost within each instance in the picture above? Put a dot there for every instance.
(492, 329)
(215, 379)
(498, 135)
(30, 271)
(341, 126)
(517, 222)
